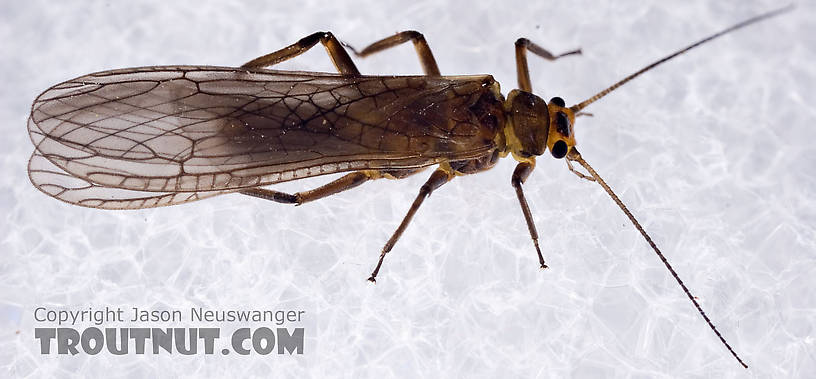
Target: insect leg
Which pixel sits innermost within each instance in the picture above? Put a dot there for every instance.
(426, 58)
(522, 46)
(337, 53)
(267, 194)
(346, 182)
(437, 179)
(520, 175)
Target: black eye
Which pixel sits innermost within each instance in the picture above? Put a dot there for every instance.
(559, 150)
(558, 101)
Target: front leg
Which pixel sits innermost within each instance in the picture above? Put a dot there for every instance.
(523, 45)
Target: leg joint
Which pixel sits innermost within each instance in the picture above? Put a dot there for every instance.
(278, 197)
(312, 39)
(437, 179)
(287, 198)
(413, 34)
(521, 173)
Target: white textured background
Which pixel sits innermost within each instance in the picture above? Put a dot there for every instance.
(714, 153)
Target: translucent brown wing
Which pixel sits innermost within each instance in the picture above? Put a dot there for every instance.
(144, 137)
(57, 183)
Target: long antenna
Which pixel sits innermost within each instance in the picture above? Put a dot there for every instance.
(577, 107)
(574, 155)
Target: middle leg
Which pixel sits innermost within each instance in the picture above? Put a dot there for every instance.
(437, 179)
(334, 48)
(426, 58)
(520, 175)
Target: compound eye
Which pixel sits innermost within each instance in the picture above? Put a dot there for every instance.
(558, 101)
(559, 149)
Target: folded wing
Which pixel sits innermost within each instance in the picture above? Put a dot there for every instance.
(144, 137)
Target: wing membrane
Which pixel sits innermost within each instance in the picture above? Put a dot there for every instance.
(55, 182)
(165, 135)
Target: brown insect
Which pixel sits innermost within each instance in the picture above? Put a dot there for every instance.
(155, 136)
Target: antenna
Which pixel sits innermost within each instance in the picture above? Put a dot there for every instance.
(577, 107)
(574, 155)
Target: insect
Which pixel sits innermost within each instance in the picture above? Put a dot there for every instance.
(156, 136)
